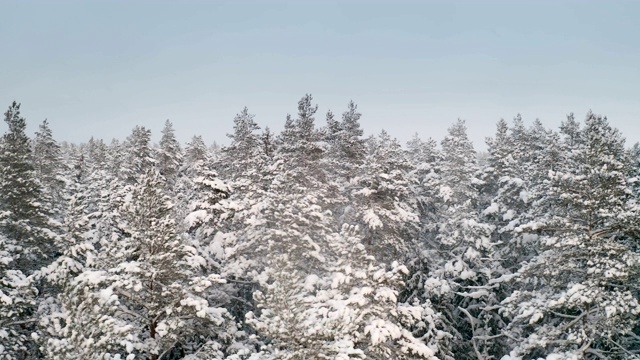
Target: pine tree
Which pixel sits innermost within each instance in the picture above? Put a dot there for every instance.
(169, 154)
(286, 233)
(204, 202)
(586, 303)
(245, 148)
(544, 153)
(245, 161)
(287, 135)
(28, 239)
(425, 161)
(117, 159)
(570, 128)
(381, 200)
(294, 175)
(143, 295)
(311, 304)
(249, 172)
(350, 147)
(507, 196)
(139, 155)
(289, 237)
(196, 153)
(333, 130)
(349, 312)
(344, 154)
(197, 163)
(49, 168)
(461, 254)
(300, 148)
(17, 303)
(97, 154)
(500, 161)
(22, 219)
(358, 303)
(78, 254)
(268, 142)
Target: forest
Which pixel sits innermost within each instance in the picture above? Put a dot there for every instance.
(320, 243)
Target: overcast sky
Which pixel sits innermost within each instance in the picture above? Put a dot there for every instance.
(99, 68)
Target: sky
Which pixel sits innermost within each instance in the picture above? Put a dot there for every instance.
(98, 68)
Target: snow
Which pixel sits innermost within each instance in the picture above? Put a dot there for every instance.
(508, 215)
(92, 277)
(106, 295)
(475, 294)
(383, 252)
(536, 317)
(372, 220)
(445, 193)
(492, 209)
(310, 281)
(195, 218)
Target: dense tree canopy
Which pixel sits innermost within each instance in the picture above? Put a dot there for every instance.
(319, 243)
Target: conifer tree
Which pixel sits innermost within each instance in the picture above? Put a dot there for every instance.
(23, 221)
(350, 146)
(318, 244)
(27, 233)
(288, 232)
(196, 153)
(49, 168)
(245, 148)
(344, 156)
(499, 163)
(461, 254)
(586, 303)
(143, 295)
(348, 312)
(55, 314)
(506, 192)
(382, 204)
(268, 142)
(300, 148)
(425, 161)
(139, 156)
(169, 154)
(289, 241)
(116, 159)
(17, 303)
(332, 131)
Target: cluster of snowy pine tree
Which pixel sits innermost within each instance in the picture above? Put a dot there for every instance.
(318, 243)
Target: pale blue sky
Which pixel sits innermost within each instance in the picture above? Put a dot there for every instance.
(99, 68)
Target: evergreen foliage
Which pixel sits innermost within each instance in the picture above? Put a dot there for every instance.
(318, 243)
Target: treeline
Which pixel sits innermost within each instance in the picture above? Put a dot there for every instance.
(318, 243)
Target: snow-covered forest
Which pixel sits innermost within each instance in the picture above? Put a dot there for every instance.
(319, 243)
